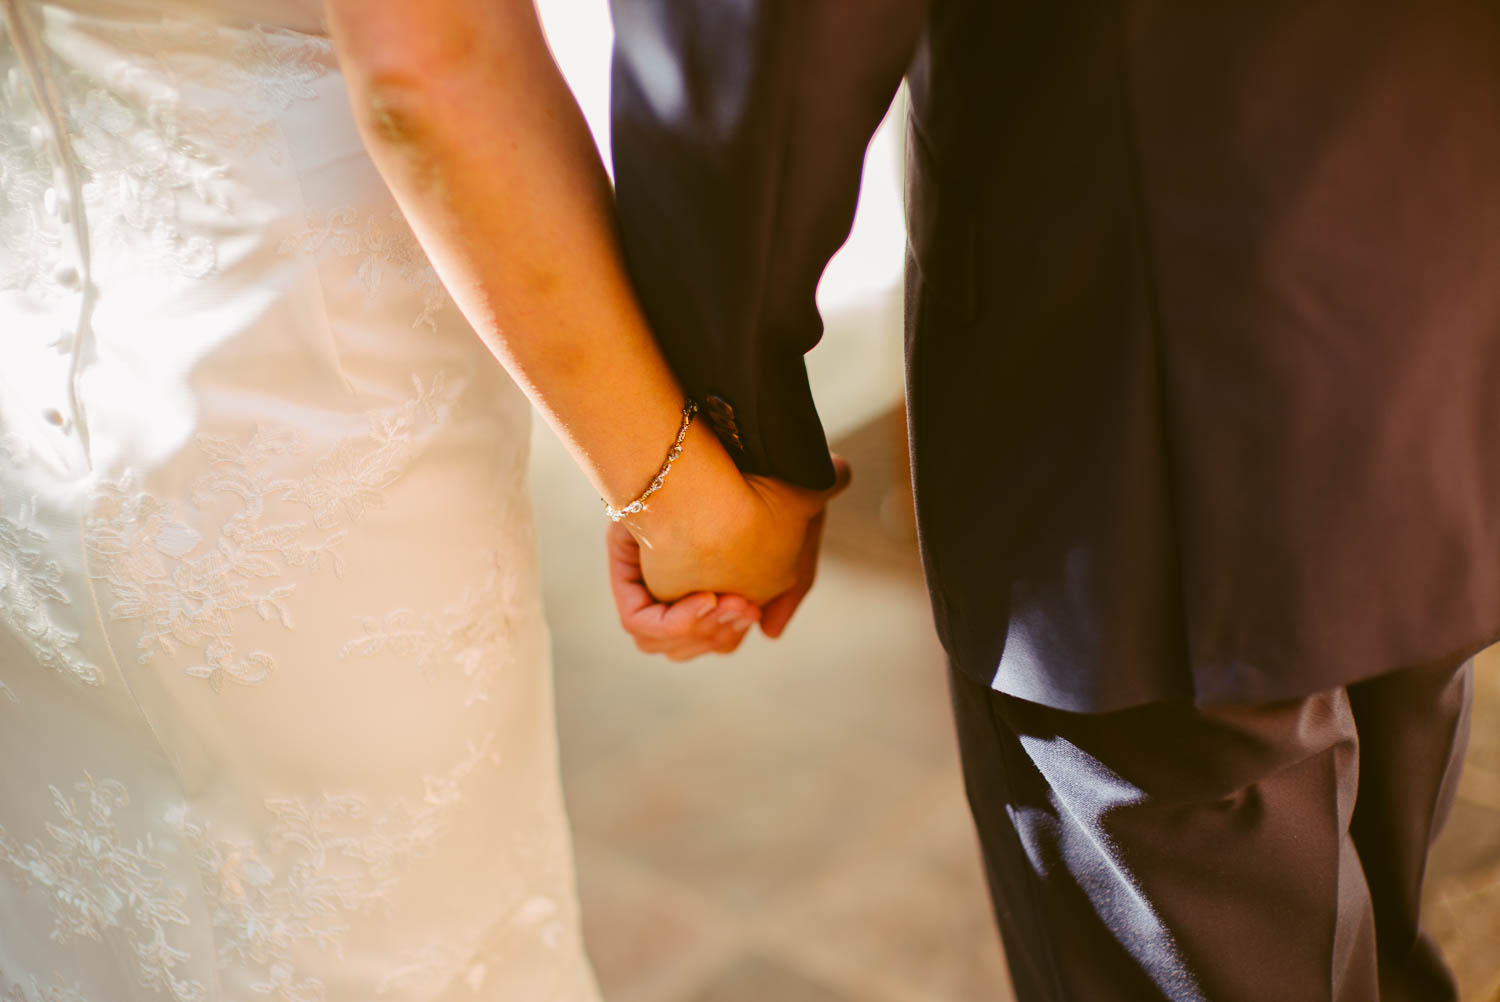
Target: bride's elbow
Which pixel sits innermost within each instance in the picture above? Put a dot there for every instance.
(396, 109)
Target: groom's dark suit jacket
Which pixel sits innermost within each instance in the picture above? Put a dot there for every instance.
(1203, 311)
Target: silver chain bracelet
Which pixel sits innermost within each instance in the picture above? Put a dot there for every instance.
(689, 409)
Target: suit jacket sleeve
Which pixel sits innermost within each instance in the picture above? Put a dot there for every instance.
(739, 132)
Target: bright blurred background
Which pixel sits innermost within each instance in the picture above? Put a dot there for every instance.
(788, 825)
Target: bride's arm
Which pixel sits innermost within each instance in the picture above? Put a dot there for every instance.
(480, 140)
(475, 131)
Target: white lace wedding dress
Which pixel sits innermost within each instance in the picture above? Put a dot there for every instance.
(275, 706)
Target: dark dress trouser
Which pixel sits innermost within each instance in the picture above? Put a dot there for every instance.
(1227, 854)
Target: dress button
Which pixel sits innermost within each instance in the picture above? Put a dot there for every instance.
(62, 341)
(40, 135)
(53, 416)
(56, 205)
(66, 276)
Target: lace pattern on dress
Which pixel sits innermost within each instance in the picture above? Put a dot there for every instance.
(190, 593)
(99, 881)
(149, 156)
(29, 245)
(32, 991)
(474, 634)
(326, 857)
(381, 241)
(533, 921)
(259, 75)
(30, 587)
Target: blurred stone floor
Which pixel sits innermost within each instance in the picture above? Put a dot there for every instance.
(788, 825)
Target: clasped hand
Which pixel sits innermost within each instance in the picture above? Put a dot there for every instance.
(690, 576)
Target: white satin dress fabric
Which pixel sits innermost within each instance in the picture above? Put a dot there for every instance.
(276, 713)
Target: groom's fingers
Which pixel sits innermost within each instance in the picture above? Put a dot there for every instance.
(778, 612)
(842, 474)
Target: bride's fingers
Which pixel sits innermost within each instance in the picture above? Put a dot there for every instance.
(778, 611)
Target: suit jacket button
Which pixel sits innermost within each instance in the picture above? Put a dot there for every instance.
(721, 416)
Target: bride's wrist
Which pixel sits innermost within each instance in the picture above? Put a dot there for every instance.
(701, 502)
